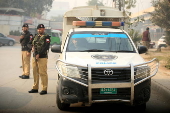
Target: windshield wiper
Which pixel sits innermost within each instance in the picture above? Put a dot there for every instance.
(93, 50)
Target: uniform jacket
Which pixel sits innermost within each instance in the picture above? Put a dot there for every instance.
(41, 45)
(24, 41)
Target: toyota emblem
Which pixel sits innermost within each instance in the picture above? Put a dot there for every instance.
(108, 72)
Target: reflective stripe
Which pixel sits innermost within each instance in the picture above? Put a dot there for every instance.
(90, 35)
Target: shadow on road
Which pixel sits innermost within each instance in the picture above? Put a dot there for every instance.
(105, 108)
(10, 98)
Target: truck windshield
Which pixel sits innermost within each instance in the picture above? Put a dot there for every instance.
(99, 42)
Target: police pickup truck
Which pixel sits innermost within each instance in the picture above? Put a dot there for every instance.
(99, 62)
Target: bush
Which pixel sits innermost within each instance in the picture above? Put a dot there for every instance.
(11, 32)
(168, 37)
(135, 35)
(15, 33)
(168, 64)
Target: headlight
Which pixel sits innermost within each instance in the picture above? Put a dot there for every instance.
(68, 70)
(142, 72)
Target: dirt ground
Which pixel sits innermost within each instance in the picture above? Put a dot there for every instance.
(162, 56)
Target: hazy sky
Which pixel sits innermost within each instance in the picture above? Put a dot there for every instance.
(72, 3)
(75, 3)
(140, 5)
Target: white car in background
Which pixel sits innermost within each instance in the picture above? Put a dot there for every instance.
(162, 42)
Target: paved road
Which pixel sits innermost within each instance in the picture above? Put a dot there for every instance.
(14, 96)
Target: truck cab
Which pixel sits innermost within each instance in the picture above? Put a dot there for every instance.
(99, 62)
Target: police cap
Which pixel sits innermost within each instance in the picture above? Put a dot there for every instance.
(40, 26)
(25, 25)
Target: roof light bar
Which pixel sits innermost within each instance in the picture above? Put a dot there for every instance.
(97, 23)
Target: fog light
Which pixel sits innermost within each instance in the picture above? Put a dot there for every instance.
(66, 91)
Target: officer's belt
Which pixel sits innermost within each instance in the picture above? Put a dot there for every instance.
(24, 46)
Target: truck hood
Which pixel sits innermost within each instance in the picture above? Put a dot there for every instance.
(100, 59)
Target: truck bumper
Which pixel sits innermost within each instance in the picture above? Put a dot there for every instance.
(71, 92)
(133, 89)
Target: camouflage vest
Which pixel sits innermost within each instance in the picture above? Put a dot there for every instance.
(38, 42)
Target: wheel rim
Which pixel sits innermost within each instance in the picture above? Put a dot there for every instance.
(11, 43)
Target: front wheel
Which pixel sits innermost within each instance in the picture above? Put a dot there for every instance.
(11, 43)
(141, 107)
(60, 105)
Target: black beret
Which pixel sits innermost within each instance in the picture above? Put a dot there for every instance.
(25, 25)
(40, 26)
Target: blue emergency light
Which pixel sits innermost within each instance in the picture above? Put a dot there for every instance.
(98, 23)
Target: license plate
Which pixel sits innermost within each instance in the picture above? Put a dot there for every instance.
(108, 90)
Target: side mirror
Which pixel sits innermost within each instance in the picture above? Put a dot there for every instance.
(56, 48)
(142, 49)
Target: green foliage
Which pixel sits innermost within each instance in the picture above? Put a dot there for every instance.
(168, 64)
(15, 33)
(130, 4)
(161, 17)
(11, 32)
(135, 22)
(31, 7)
(167, 38)
(135, 36)
(95, 2)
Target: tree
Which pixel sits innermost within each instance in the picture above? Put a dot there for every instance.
(95, 2)
(127, 5)
(31, 7)
(130, 4)
(161, 17)
(135, 35)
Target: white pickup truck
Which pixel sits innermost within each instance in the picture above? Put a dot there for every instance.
(99, 62)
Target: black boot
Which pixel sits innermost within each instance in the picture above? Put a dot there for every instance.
(21, 76)
(33, 91)
(25, 77)
(43, 92)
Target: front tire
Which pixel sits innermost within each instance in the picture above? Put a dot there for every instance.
(60, 105)
(11, 43)
(141, 107)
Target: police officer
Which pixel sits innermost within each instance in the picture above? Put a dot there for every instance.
(40, 47)
(24, 39)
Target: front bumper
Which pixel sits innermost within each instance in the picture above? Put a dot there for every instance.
(71, 92)
(134, 91)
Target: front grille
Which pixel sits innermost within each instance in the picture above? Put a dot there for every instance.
(120, 74)
(122, 93)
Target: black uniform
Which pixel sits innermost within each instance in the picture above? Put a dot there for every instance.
(25, 56)
(24, 41)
